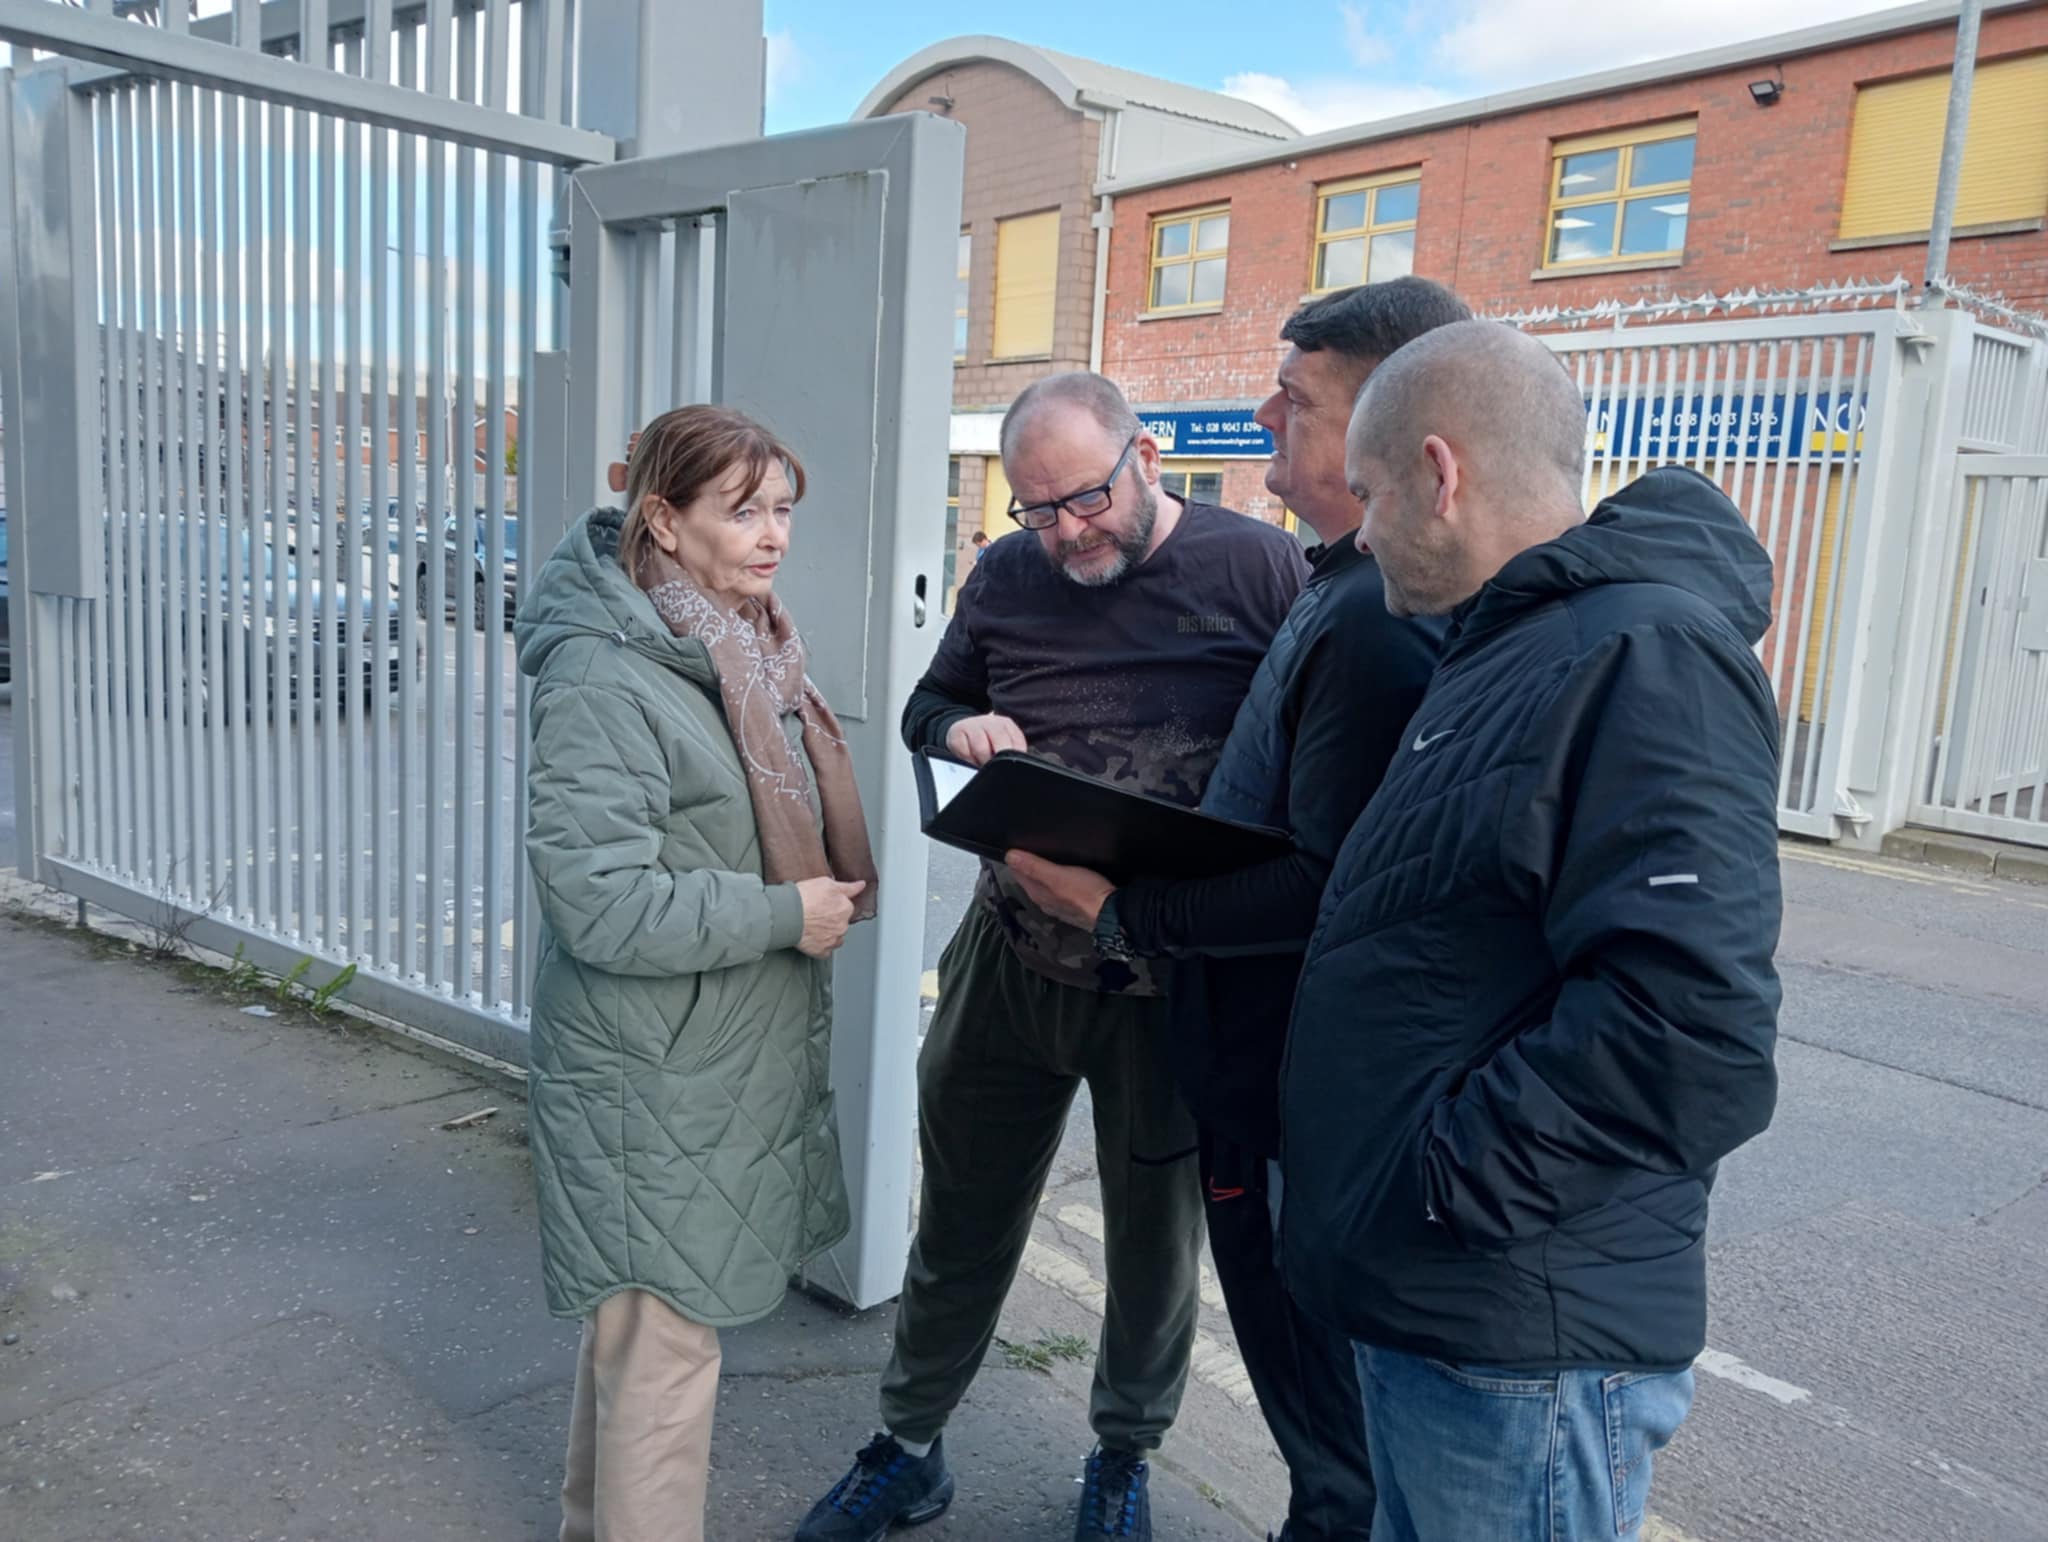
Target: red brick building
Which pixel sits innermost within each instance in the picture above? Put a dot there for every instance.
(1790, 161)
(1045, 131)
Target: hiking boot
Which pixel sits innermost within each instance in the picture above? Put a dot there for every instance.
(886, 1487)
(1114, 1499)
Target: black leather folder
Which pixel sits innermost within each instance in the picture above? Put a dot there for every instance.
(1018, 802)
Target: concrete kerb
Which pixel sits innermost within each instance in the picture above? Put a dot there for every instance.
(1969, 854)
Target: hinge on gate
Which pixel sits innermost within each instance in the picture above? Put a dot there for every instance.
(1846, 807)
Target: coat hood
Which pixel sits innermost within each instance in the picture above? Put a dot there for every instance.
(1672, 527)
(583, 592)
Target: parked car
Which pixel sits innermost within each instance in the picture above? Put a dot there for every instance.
(271, 582)
(467, 579)
(6, 649)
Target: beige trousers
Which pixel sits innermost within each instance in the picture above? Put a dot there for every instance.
(640, 1425)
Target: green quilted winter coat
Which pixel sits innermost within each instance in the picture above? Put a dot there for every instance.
(682, 1128)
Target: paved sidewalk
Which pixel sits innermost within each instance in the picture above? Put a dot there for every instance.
(258, 1293)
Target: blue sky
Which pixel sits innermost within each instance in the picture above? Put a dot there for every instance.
(1321, 63)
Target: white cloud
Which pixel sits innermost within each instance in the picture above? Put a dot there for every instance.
(1328, 102)
(1366, 46)
(785, 64)
(1491, 44)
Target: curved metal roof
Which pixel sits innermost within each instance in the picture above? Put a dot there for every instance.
(1070, 79)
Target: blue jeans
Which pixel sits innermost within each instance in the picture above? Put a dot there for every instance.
(1463, 1453)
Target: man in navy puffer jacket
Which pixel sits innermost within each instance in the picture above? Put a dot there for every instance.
(1539, 1007)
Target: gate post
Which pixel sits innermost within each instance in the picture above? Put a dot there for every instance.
(51, 338)
(1913, 504)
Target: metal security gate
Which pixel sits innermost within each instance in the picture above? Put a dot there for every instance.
(290, 341)
(1985, 770)
(1785, 414)
(273, 353)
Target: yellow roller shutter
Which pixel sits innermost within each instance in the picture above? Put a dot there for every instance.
(995, 502)
(1027, 272)
(1895, 151)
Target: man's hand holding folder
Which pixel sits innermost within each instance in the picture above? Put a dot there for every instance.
(978, 740)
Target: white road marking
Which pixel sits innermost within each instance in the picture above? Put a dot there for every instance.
(1211, 1361)
(1728, 1368)
(1087, 1220)
(1664, 881)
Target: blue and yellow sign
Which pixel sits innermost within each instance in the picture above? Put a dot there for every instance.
(1759, 427)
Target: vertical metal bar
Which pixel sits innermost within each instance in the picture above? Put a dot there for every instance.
(1690, 429)
(190, 727)
(1772, 461)
(141, 490)
(1742, 456)
(539, 20)
(247, 26)
(238, 305)
(440, 41)
(1959, 547)
(1990, 536)
(1615, 408)
(173, 16)
(1819, 652)
(219, 604)
(279, 565)
(365, 616)
(125, 443)
(383, 520)
(305, 698)
(1810, 547)
(1592, 393)
(149, 570)
(466, 707)
(177, 480)
(712, 312)
(646, 303)
(114, 463)
(496, 830)
(415, 536)
(1727, 383)
(329, 642)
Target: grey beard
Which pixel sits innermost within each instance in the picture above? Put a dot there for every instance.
(1130, 550)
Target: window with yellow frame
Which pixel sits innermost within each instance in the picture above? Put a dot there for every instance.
(1620, 197)
(1365, 230)
(1189, 254)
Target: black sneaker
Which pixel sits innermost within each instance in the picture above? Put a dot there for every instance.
(1114, 1499)
(886, 1487)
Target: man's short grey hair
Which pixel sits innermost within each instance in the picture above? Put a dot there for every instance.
(1506, 401)
(1093, 394)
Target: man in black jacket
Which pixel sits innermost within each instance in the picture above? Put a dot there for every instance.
(1540, 1005)
(1326, 712)
(1115, 634)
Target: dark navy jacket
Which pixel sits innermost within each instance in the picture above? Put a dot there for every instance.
(1326, 711)
(1540, 1006)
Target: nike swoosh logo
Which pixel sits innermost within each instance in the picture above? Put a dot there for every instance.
(1422, 744)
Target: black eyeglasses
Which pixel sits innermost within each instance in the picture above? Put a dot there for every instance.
(1086, 504)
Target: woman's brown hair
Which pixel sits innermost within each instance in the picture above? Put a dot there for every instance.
(686, 450)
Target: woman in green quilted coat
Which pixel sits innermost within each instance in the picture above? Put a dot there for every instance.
(699, 851)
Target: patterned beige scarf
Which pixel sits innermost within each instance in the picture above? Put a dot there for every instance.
(762, 677)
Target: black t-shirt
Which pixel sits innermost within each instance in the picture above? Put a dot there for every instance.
(1136, 683)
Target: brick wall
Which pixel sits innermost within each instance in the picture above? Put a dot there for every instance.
(1766, 202)
(1026, 153)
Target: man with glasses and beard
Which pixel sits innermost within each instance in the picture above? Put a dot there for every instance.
(1115, 634)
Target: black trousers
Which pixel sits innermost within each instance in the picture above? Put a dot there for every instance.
(1305, 1375)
